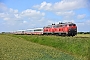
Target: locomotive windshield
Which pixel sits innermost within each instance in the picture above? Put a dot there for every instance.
(72, 24)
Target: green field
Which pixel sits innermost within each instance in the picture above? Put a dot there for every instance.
(34, 47)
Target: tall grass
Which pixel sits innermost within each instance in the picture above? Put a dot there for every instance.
(18, 48)
(76, 46)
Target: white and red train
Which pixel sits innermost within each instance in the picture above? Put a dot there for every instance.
(65, 29)
(35, 31)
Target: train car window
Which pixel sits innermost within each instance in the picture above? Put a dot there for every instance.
(29, 30)
(38, 30)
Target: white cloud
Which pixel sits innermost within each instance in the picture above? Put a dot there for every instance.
(64, 8)
(15, 15)
(6, 18)
(69, 21)
(65, 13)
(2, 15)
(13, 11)
(84, 26)
(2, 7)
(25, 19)
(44, 5)
(82, 16)
(69, 5)
(62, 5)
(31, 13)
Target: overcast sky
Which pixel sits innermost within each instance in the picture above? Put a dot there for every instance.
(26, 14)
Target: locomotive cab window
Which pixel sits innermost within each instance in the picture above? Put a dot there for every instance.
(72, 24)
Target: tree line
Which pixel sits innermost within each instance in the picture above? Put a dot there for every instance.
(83, 32)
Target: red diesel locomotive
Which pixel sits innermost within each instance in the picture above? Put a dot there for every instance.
(62, 29)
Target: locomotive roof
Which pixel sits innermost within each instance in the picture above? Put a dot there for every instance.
(49, 26)
(60, 24)
(66, 23)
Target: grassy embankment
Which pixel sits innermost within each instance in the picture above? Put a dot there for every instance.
(21, 47)
(76, 46)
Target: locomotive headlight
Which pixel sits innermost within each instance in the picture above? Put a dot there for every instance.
(69, 30)
(75, 30)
